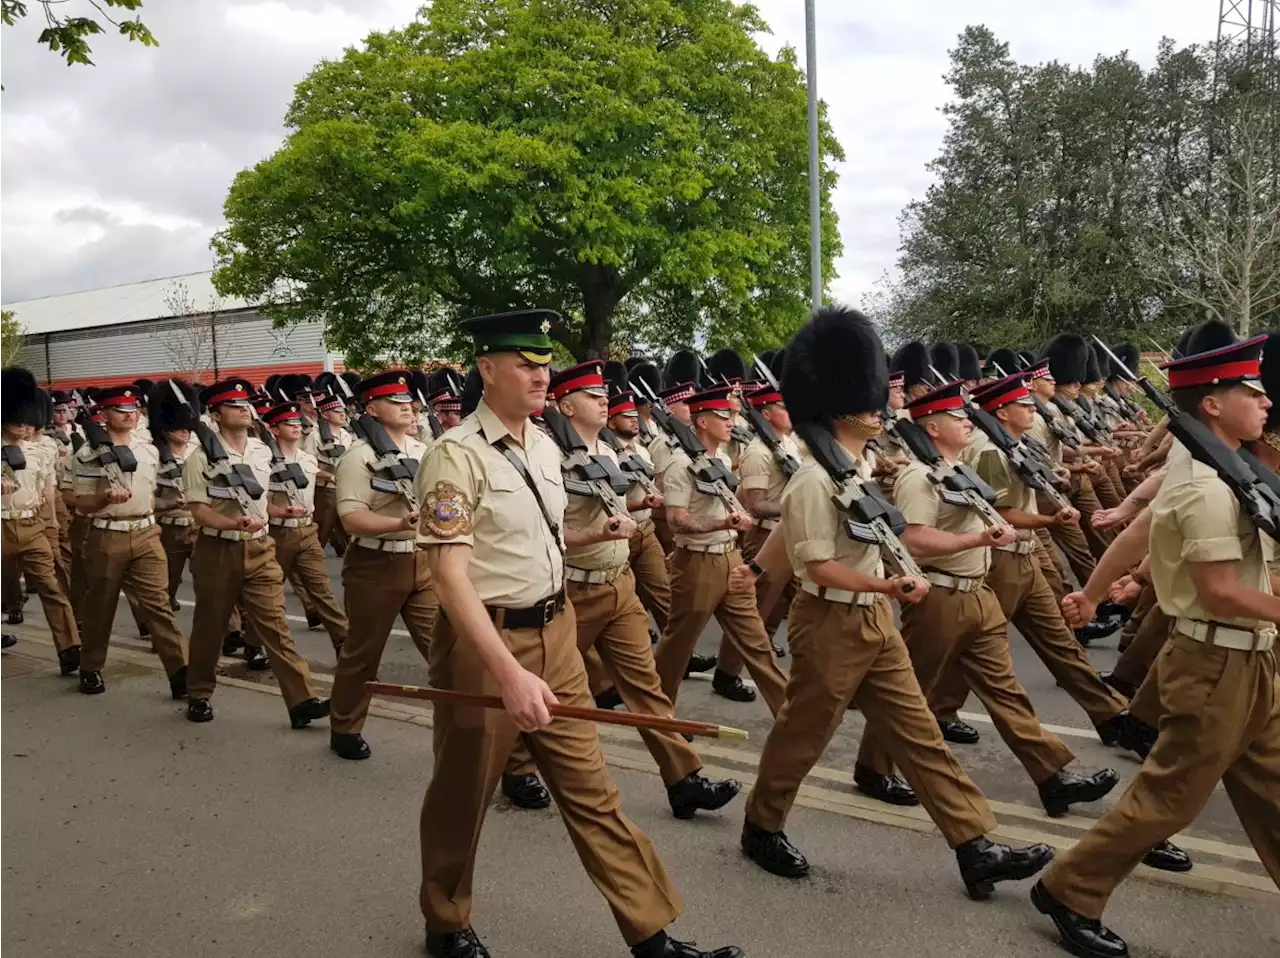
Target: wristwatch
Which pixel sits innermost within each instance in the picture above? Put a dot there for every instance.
(755, 568)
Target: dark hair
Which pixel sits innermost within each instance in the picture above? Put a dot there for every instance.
(1189, 400)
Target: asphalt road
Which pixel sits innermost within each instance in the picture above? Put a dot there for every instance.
(128, 829)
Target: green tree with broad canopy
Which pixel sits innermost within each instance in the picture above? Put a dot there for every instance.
(66, 33)
(640, 166)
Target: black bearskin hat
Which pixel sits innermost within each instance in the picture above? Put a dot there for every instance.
(1271, 379)
(835, 366)
(472, 391)
(945, 358)
(632, 361)
(970, 367)
(766, 357)
(1095, 366)
(46, 409)
(288, 386)
(19, 398)
(778, 364)
(351, 378)
(1006, 359)
(912, 360)
(144, 386)
(1026, 358)
(1068, 357)
(419, 388)
(1130, 355)
(446, 377)
(726, 365)
(166, 411)
(646, 372)
(615, 377)
(327, 383)
(682, 367)
(1208, 336)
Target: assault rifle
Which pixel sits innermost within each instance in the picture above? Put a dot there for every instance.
(14, 459)
(871, 518)
(787, 463)
(632, 464)
(1091, 430)
(1255, 487)
(957, 485)
(710, 476)
(596, 477)
(739, 434)
(286, 477)
(1032, 470)
(228, 480)
(115, 460)
(433, 421)
(393, 470)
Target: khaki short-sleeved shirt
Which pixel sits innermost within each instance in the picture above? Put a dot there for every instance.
(678, 490)
(660, 452)
(917, 498)
(814, 527)
(472, 495)
(586, 514)
(256, 455)
(1196, 518)
(167, 494)
(636, 447)
(42, 461)
(994, 467)
(30, 491)
(1042, 431)
(311, 443)
(91, 480)
(760, 470)
(355, 494)
(306, 496)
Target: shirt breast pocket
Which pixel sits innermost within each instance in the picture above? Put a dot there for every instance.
(552, 487)
(507, 499)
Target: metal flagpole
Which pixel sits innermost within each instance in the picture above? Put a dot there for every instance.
(815, 189)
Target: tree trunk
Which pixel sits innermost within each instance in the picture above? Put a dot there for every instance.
(600, 297)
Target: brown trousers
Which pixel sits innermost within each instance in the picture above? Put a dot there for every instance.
(178, 542)
(968, 632)
(649, 563)
(27, 553)
(1028, 602)
(471, 747)
(329, 529)
(1051, 566)
(843, 653)
(228, 573)
(773, 597)
(1071, 540)
(80, 525)
(1146, 602)
(134, 561)
(662, 531)
(699, 590)
(59, 531)
(301, 559)
(1108, 490)
(1085, 498)
(1221, 722)
(378, 587)
(1135, 662)
(612, 621)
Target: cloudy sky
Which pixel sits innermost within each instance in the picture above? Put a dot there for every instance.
(117, 173)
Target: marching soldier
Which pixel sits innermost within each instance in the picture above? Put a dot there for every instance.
(234, 560)
(844, 646)
(173, 423)
(1217, 676)
(383, 574)
(445, 397)
(122, 547)
(492, 514)
(27, 551)
(1019, 582)
(292, 512)
(959, 624)
(705, 531)
(761, 492)
(610, 617)
(334, 412)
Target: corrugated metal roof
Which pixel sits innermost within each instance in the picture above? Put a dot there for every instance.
(131, 303)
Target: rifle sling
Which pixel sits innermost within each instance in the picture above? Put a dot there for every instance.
(516, 461)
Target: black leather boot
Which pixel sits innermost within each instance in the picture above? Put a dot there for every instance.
(178, 684)
(255, 659)
(199, 710)
(984, 863)
(1129, 732)
(1059, 792)
(1082, 936)
(695, 793)
(732, 687)
(306, 711)
(1121, 686)
(663, 946)
(699, 663)
(884, 788)
(8, 641)
(608, 699)
(456, 944)
(526, 791)
(15, 617)
(349, 745)
(772, 852)
(91, 683)
(314, 621)
(233, 643)
(1168, 857)
(69, 660)
(959, 733)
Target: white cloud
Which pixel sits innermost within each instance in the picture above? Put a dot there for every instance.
(118, 173)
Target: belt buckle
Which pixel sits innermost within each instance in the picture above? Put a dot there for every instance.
(548, 611)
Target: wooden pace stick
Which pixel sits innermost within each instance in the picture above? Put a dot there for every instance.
(604, 716)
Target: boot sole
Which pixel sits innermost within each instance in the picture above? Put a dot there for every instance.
(902, 802)
(779, 870)
(1060, 806)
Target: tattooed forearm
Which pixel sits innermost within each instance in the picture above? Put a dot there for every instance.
(682, 521)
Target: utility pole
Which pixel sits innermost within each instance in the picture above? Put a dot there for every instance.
(815, 157)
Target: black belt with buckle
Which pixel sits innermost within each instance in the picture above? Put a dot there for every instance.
(534, 617)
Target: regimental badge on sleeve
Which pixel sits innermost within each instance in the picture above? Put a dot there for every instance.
(446, 514)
